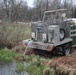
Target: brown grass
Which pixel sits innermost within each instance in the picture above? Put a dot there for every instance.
(13, 34)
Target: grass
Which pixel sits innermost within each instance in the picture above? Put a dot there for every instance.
(7, 55)
(34, 64)
(12, 35)
(20, 67)
(27, 33)
(37, 66)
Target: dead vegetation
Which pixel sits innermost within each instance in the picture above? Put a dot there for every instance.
(12, 34)
(65, 65)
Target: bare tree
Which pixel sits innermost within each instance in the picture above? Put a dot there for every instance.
(18, 10)
(12, 10)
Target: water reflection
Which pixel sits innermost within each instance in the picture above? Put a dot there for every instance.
(9, 69)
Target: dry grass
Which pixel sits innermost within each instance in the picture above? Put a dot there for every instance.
(13, 34)
(65, 65)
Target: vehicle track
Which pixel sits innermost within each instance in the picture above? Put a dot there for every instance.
(54, 54)
(47, 54)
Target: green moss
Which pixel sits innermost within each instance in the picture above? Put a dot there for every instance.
(34, 69)
(20, 67)
(37, 67)
(27, 58)
(7, 55)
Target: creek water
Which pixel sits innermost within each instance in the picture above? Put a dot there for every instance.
(10, 69)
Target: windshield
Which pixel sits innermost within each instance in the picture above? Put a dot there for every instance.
(54, 16)
(50, 17)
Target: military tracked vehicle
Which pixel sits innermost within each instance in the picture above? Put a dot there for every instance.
(55, 32)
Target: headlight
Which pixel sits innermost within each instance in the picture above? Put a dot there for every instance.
(33, 35)
(44, 37)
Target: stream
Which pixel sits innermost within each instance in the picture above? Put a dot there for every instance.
(10, 69)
